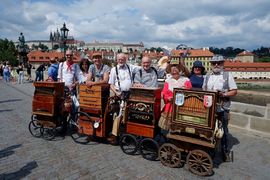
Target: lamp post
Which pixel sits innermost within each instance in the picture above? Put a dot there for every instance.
(64, 34)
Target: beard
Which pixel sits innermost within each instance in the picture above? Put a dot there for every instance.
(217, 69)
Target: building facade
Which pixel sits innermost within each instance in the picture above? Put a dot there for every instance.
(248, 70)
(203, 55)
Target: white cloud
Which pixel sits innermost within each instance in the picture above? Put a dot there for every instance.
(157, 23)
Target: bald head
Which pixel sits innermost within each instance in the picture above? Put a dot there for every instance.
(121, 59)
(146, 63)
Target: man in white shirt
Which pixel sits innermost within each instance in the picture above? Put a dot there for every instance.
(121, 80)
(68, 72)
(224, 83)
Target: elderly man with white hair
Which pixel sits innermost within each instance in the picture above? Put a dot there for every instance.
(121, 80)
(223, 82)
(148, 76)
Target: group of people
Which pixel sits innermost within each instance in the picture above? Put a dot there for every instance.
(12, 74)
(124, 76)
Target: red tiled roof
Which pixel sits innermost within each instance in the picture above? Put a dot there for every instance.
(246, 53)
(39, 56)
(153, 55)
(247, 66)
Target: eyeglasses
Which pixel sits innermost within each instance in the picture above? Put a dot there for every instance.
(216, 63)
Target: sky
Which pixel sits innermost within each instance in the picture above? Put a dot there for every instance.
(241, 24)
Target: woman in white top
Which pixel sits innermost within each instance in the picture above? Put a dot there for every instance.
(84, 66)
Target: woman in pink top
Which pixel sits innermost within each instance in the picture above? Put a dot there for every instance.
(176, 81)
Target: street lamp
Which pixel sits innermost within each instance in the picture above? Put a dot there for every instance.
(64, 35)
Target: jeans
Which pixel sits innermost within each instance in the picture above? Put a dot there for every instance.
(6, 76)
(20, 78)
(39, 76)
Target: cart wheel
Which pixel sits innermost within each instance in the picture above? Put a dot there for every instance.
(77, 134)
(170, 155)
(200, 163)
(73, 122)
(48, 133)
(34, 127)
(149, 149)
(128, 144)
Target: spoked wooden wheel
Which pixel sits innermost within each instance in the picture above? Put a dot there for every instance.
(34, 127)
(200, 163)
(128, 144)
(170, 155)
(149, 149)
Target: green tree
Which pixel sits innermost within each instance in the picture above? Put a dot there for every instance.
(8, 52)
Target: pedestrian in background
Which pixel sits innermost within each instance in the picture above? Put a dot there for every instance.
(20, 73)
(6, 72)
(39, 72)
(53, 70)
(28, 69)
(13, 75)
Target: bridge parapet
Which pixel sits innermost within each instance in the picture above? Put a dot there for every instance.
(250, 116)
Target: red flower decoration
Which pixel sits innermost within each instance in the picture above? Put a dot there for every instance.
(188, 84)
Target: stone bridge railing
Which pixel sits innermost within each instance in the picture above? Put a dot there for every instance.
(251, 111)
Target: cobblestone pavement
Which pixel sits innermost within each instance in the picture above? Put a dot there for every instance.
(23, 156)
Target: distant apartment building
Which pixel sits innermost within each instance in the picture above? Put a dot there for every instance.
(246, 56)
(203, 55)
(114, 46)
(248, 70)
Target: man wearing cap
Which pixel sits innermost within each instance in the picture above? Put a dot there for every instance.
(98, 72)
(224, 83)
(121, 79)
(148, 76)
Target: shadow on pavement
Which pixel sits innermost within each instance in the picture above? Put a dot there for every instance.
(10, 100)
(23, 172)
(9, 150)
(5, 110)
(218, 154)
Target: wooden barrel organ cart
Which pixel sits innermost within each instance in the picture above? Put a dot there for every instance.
(142, 115)
(46, 109)
(91, 118)
(192, 131)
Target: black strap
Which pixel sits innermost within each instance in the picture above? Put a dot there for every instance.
(154, 69)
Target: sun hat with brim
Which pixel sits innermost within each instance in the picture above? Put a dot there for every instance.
(96, 54)
(178, 66)
(217, 58)
(198, 64)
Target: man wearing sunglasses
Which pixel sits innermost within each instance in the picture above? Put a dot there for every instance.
(68, 73)
(223, 82)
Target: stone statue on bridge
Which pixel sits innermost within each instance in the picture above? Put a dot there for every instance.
(21, 40)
